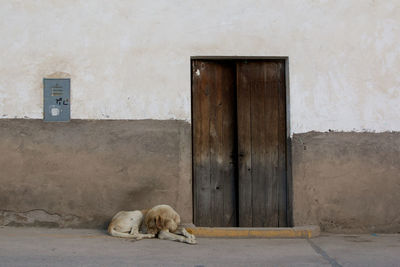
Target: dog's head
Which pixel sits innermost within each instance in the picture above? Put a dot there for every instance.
(155, 225)
(158, 219)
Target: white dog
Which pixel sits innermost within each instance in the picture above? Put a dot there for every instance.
(161, 220)
(164, 221)
(127, 223)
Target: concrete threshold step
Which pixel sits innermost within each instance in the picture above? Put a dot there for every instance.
(310, 231)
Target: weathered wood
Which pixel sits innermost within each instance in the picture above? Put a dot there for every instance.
(258, 142)
(201, 144)
(245, 189)
(259, 137)
(271, 162)
(239, 143)
(213, 143)
(229, 141)
(282, 170)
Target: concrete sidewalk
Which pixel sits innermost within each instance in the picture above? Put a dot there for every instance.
(67, 247)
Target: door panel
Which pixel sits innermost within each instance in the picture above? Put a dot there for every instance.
(214, 144)
(239, 143)
(261, 143)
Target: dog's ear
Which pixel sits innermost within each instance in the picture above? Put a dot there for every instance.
(159, 222)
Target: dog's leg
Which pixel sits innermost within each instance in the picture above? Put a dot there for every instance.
(166, 235)
(146, 235)
(182, 231)
(138, 236)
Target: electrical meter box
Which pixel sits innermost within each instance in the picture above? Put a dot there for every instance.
(57, 104)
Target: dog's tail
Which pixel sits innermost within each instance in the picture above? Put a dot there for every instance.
(115, 233)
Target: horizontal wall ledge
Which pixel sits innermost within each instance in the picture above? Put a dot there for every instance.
(310, 231)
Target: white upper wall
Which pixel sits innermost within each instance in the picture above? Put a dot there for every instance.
(131, 59)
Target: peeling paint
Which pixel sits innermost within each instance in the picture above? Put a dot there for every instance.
(37, 217)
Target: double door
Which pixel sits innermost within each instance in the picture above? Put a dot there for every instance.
(239, 143)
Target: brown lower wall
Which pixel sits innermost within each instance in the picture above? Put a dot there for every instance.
(347, 182)
(78, 174)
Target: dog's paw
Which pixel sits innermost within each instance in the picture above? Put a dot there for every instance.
(190, 236)
(191, 241)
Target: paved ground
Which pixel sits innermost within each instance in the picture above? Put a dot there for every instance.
(66, 247)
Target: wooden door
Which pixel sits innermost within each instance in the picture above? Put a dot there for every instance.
(239, 143)
(213, 98)
(261, 123)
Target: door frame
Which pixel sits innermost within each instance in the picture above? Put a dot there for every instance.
(289, 177)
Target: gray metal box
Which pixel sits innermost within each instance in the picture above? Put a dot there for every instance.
(57, 99)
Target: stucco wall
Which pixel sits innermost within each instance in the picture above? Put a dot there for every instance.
(347, 182)
(131, 59)
(79, 174)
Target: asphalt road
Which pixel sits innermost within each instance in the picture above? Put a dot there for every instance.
(68, 247)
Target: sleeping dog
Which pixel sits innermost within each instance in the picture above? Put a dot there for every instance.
(127, 223)
(161, 220)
